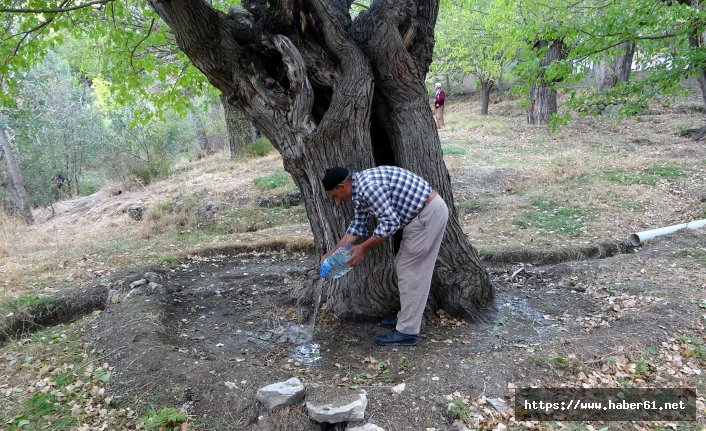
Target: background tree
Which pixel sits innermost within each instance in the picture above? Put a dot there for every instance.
(240, 129)
(11, 178)
(472, 39)
(541, 65)
(610, 70)
(593, 31)
(58, 129)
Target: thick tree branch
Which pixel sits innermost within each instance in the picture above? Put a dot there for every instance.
(300, 90)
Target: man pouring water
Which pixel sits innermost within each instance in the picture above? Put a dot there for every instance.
(398, 199)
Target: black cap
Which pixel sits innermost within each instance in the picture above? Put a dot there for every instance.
(334, 177)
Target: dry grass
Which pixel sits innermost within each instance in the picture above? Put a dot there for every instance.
(91, 236)
(569, 168)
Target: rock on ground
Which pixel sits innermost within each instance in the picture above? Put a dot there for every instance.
(281, 393)
(366, 427)
(336, 405)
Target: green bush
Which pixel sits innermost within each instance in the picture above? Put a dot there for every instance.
(151, 171)
(259, 147)
(90, 185)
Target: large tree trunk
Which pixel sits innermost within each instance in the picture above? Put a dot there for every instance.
(608, 73)
(542, 95)
(15, 184)
(327, 91)
(240, 131)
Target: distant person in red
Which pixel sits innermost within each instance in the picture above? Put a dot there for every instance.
(439, 98)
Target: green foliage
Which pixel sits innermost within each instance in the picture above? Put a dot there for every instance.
(666, 171)
(57, 129)
(272, 181)
(41, 405)
(471, 205)
(696, 347)
(65, 124)
(90, 184)
(99, 45)
(404, 363)
(591, 32)
(170, 261)
(151, 170)
(384, 367)
(632, 205)
(60, 408)
(259, 147)
(167, 419)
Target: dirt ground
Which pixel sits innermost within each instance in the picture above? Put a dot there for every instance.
(227, 324)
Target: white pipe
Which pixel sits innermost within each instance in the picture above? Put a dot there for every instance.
(639, 237)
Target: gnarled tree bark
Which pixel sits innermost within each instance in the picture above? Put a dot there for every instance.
(330, 90)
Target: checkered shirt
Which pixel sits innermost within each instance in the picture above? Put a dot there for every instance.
(393, 195)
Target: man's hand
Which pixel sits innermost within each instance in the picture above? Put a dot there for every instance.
(357, 255)
(347, 239)
(358, 251)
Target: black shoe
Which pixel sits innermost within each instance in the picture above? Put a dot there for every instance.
(395, 338)
(389, 322)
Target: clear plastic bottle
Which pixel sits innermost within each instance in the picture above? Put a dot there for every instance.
(335, 266)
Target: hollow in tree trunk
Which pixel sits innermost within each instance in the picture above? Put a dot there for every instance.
(328, 90)
(542, 95)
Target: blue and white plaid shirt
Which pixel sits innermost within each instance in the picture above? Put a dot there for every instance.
(394, 195)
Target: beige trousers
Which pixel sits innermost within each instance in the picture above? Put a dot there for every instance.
(439, 116)
(415, 261)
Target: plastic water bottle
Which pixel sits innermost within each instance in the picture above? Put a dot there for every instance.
(335, 266)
